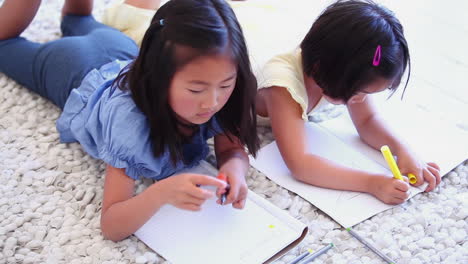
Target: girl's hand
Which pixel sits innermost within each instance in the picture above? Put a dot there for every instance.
(238, 189)
(388, 189)
(233, 162)
(409, 163)
(183, 191)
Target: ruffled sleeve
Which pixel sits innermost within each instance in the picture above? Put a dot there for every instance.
(109, 126)
(121, 134)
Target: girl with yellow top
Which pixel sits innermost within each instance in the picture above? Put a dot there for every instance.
(353, 49)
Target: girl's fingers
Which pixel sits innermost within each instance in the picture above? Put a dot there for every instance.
(237, 192)
(199, 179)
(397, 200)
(419, 178)
(242, 194)
(402, 195)
(239, 204)
(201, 193)
(194, 200)
(232, 194)
(190, 207)
(431, 179)
(220, 191)
(435, 171)
(401, 186)
(434, 165)
(186, 198)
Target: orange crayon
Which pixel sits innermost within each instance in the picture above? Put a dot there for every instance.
(223, 177)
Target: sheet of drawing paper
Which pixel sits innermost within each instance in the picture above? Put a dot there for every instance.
(221, 234)
(432, 139)
(344, 147)
(345, 207)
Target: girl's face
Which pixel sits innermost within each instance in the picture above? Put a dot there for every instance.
(202, 87)
(377, 86)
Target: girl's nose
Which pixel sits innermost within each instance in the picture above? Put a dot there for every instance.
(211, 100)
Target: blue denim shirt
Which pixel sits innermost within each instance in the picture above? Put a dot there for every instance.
(110, 127)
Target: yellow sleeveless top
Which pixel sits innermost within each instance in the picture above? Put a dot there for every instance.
(285, 70)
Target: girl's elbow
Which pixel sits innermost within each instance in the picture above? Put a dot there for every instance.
(110, 234)
(302, 168)
(299, 176)
(297, 171)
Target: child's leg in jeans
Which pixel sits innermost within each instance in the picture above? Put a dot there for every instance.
(73, 25)
(42, 68)
(16, 60)
(55, 68)
(89, 46)
(15, 16)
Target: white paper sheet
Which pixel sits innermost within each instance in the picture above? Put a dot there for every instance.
(433, 139)
(337, 140)
(221, 234)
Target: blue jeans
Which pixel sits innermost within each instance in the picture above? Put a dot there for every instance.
(53, 69)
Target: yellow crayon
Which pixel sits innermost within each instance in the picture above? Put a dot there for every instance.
(393, 166)
(391, 162)
(412, 178)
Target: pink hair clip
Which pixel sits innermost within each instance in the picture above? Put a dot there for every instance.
(376, 60)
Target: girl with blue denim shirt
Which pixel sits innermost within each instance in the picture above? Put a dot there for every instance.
(149, 112)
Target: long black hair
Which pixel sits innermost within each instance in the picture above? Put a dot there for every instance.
(207, 27)
(339, 49)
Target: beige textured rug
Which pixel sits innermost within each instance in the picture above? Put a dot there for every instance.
(50, 196)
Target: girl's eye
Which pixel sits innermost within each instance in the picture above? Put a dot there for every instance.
(226, 86)
(195, 91)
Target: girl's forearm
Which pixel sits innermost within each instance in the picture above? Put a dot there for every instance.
(123, 218)
(375, 132)
(321, 172)
(235, 158)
